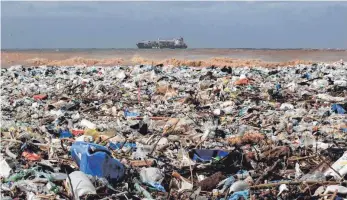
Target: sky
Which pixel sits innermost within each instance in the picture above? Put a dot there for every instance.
(35, 25)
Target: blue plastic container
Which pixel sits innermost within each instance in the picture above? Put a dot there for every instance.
(96, 160)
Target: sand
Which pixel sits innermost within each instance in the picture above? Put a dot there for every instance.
(192, 57)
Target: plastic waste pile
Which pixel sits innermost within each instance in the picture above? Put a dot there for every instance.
(163, 132)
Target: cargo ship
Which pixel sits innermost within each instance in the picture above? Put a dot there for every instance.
(174, 43)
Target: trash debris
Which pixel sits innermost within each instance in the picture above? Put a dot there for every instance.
(164, 132)
(96, 160)
(80, 184)
(208, 184)
(31, 156)
(207, 155)
(5, 169)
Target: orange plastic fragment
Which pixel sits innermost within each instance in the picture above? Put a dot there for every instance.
(243, 81)
(40, 97)
(31, 156)
(77, 132)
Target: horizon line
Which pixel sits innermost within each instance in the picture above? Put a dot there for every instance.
(134, 48)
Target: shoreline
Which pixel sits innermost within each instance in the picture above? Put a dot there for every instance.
(197, 57)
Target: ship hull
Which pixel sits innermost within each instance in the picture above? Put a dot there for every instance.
(145, 46)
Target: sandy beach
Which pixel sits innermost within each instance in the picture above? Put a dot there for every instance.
(195, 57)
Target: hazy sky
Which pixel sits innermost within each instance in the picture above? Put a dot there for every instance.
(202, 24)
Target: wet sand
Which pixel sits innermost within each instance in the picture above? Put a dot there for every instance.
(197, 57)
